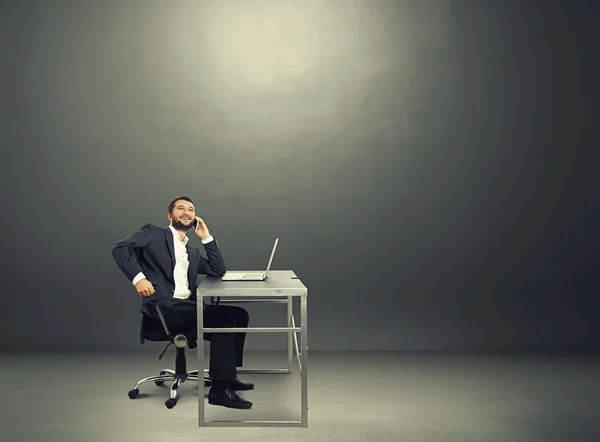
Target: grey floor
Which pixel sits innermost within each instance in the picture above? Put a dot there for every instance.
(352, 397)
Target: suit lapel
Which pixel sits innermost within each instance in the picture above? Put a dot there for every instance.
(193, 265)
(192, 271)
(171, 247)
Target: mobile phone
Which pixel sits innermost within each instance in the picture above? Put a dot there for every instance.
(195, 224)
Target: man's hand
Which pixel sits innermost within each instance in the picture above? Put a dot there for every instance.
(201, 230)
(144, 288)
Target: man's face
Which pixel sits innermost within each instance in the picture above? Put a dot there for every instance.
(183, 215)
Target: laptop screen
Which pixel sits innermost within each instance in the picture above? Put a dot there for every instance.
(272, 254)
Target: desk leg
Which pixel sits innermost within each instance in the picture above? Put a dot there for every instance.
(200, 312)
(290, 312)
(304, 352)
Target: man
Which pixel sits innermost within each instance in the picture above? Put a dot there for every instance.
(164, 269)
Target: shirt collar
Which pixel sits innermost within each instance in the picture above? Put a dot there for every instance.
(176, 235)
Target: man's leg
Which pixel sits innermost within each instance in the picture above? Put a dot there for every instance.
(242, 319)
(222, 345)
(181, 319)
(222, 361)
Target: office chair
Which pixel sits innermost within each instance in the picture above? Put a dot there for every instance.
(155, 330)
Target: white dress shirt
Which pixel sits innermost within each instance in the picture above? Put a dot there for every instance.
(180, 273)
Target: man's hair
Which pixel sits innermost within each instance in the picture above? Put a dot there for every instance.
(172, 205)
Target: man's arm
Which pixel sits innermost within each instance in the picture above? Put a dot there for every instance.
(124, 253)
(215, 264)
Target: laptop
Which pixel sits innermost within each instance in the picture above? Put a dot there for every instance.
(251, 276)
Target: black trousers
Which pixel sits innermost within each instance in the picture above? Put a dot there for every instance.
(226, 349)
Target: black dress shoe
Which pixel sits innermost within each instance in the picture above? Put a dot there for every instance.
(227, 398)
(236, 384)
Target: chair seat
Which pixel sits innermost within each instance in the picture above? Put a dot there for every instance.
(153, 330)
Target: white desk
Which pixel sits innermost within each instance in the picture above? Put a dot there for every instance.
(281, 286)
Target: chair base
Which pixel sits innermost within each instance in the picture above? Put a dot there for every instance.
(178, 376)
(169, 375)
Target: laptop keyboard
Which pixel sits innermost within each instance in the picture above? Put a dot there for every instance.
(252, 275)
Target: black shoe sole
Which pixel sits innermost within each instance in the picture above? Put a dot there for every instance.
(236, 406)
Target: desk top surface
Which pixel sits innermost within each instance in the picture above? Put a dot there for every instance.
(277, 281)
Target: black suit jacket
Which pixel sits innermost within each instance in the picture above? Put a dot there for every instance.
(151, 250)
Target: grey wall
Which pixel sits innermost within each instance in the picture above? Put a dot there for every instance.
(424, 164)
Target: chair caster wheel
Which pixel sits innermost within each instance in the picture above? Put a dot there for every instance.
(159, 383)
(133, 393)
(170, 403)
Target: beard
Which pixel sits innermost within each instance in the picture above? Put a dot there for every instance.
(178, 225)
